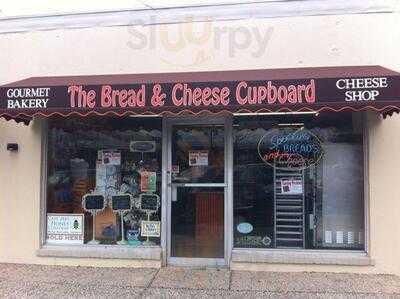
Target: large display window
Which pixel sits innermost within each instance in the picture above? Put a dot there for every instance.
(104, 181)
(299, 181)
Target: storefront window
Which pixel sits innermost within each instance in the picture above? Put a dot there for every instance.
(198, 153)
(298, 182)
(104, 181)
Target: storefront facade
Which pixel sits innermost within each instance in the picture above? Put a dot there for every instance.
(277, 169)
(222, 192)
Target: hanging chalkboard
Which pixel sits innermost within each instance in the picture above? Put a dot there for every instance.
(149, 202)
(93, 202)
(121, 202)
(143, 146)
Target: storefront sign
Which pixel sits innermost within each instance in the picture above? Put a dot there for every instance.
(198, 158)
(65, 229)
(288, 148)
(150, 229)
(312, 89)
(148, 181)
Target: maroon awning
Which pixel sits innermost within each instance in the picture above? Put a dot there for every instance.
(350, 88)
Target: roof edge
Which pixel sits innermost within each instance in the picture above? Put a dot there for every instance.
(208, 76)
(162, 15)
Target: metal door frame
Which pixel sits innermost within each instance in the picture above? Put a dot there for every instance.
(168, 124)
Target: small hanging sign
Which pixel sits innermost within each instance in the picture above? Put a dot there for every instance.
(148, 181)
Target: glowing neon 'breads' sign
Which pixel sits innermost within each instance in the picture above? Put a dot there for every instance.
(288, 148)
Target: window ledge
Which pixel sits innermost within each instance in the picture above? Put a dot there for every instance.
(101, 251)
(317, 257)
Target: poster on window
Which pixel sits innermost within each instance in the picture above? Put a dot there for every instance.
(150, 229)
(108, 172)
(198, 158)
(109, 157)
(292, 186)
(65, 229)
(148, 181)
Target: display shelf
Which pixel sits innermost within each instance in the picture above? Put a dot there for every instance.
(289, 208)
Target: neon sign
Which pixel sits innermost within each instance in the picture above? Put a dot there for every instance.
(290, 149)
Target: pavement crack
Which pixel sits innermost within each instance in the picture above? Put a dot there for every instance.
(34, 281)
(230, 280)
(149, 284)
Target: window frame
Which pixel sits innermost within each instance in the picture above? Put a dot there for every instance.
(148, 253)
(238, 253)
(233, 254)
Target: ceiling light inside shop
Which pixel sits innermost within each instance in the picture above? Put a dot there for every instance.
(144, 115)
(291, 125)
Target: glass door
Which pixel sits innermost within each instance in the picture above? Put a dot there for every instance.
(197, 194)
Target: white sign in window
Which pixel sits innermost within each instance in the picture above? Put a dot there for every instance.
(65, 229)
(150, 229)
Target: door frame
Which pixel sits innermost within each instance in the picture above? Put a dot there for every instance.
(168, 124)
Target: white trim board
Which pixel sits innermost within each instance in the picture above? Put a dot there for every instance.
(265, 9)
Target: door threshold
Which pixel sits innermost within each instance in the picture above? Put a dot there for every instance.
(197, 262)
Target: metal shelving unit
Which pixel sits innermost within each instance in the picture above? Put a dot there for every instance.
(289, 211)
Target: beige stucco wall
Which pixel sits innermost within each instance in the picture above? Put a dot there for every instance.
(294, 42)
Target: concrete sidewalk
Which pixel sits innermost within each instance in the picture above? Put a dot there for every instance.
(32, 281)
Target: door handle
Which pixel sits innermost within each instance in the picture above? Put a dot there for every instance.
(169, 178)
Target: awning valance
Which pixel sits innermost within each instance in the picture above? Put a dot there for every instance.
(354, 88)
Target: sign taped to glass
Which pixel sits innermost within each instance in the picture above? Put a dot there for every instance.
(65, 228)
(148, 181)
(150, 228)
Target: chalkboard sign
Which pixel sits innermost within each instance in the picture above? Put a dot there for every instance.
(121, 202)
(143, 146)
(93, 202)
(149, 202)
